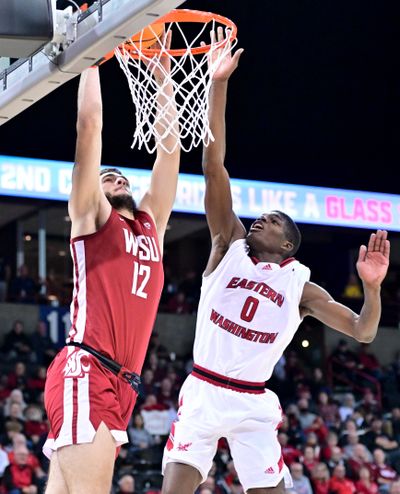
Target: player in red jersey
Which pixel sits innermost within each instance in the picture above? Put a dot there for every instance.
(117, 253)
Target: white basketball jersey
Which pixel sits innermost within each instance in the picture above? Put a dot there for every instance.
(248, 314)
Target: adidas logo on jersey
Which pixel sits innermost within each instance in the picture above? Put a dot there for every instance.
(147, 225)
(267, 267)
(269, 470)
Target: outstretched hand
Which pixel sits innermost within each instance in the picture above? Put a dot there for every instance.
(229, 62)
(373, 260)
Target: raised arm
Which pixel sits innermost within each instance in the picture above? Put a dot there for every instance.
(372, 266)
(223, 223)
(160, 197)
(87, 204)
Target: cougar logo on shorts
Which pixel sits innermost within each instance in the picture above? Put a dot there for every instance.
(75, 367)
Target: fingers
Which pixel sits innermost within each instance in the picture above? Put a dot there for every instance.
(168, 37)
(237, 55)
(378, 242)
(362, 253)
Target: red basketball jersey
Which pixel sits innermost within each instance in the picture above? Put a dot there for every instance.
(118, 278)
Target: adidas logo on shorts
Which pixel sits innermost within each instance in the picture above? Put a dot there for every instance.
(269, 470)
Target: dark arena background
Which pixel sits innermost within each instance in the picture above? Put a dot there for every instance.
(315, 102)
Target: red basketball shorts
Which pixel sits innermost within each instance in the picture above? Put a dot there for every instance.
(80, 394)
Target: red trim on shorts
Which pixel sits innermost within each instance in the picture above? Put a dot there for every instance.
(280, 463)
(75, 411)
(227, 382)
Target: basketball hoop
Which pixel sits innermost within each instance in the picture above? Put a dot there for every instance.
(192, 69)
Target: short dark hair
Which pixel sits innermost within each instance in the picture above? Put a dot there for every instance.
(104, 171)
(292, 233)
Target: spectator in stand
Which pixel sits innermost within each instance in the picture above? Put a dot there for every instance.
(369, 403)
(347, 407)
(318, 383)
(16, 344)
(291, 425)
(146, 386)
(350, 428)
(10, 430)
(178, 304)
(337, 458)
(306, 417)
(16, 396)
(231, 474)
(15, 416)
(332, 441)
(289, 452)
(301, 483)
(23, 288)
(312, 441)
(328, 410)
(166, 395)
(36, 383)
(35, 426)
(320, 478)
(376, 437)
(352, 440)
(19, 476)
(365, 484)
(383, 473)
(309, 459)
(140, 437)
(369, 362)
(361, 457)
(344, 360)
(20, 442)
(155, 365)
(317, 429)
(18, 378)
(42, 345)
(339, 483)
(126, 485)
(157, 347)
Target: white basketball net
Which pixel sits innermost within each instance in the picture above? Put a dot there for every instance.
(191, 77)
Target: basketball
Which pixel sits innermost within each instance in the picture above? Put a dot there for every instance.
(149, 35)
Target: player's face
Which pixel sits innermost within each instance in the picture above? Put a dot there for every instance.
(115, 184)
(118, 192)
(267, 232)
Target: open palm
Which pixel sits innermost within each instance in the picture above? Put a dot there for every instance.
(226, 64)
(373, 260)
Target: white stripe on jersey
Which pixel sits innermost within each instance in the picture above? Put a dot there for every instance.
(78, 313)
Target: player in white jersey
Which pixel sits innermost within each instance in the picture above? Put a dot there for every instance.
(254, 296)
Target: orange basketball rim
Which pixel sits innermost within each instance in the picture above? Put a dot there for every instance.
(185, 16)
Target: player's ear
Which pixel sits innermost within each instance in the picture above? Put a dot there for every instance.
(287, 245)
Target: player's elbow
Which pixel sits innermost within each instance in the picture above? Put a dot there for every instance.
(365, 338)
(88, 121)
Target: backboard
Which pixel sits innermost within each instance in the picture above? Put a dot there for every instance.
(82, 38)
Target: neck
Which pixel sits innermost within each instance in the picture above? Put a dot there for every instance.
(264, 256)
(126, 213)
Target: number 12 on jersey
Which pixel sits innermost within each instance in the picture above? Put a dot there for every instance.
(141, 276)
